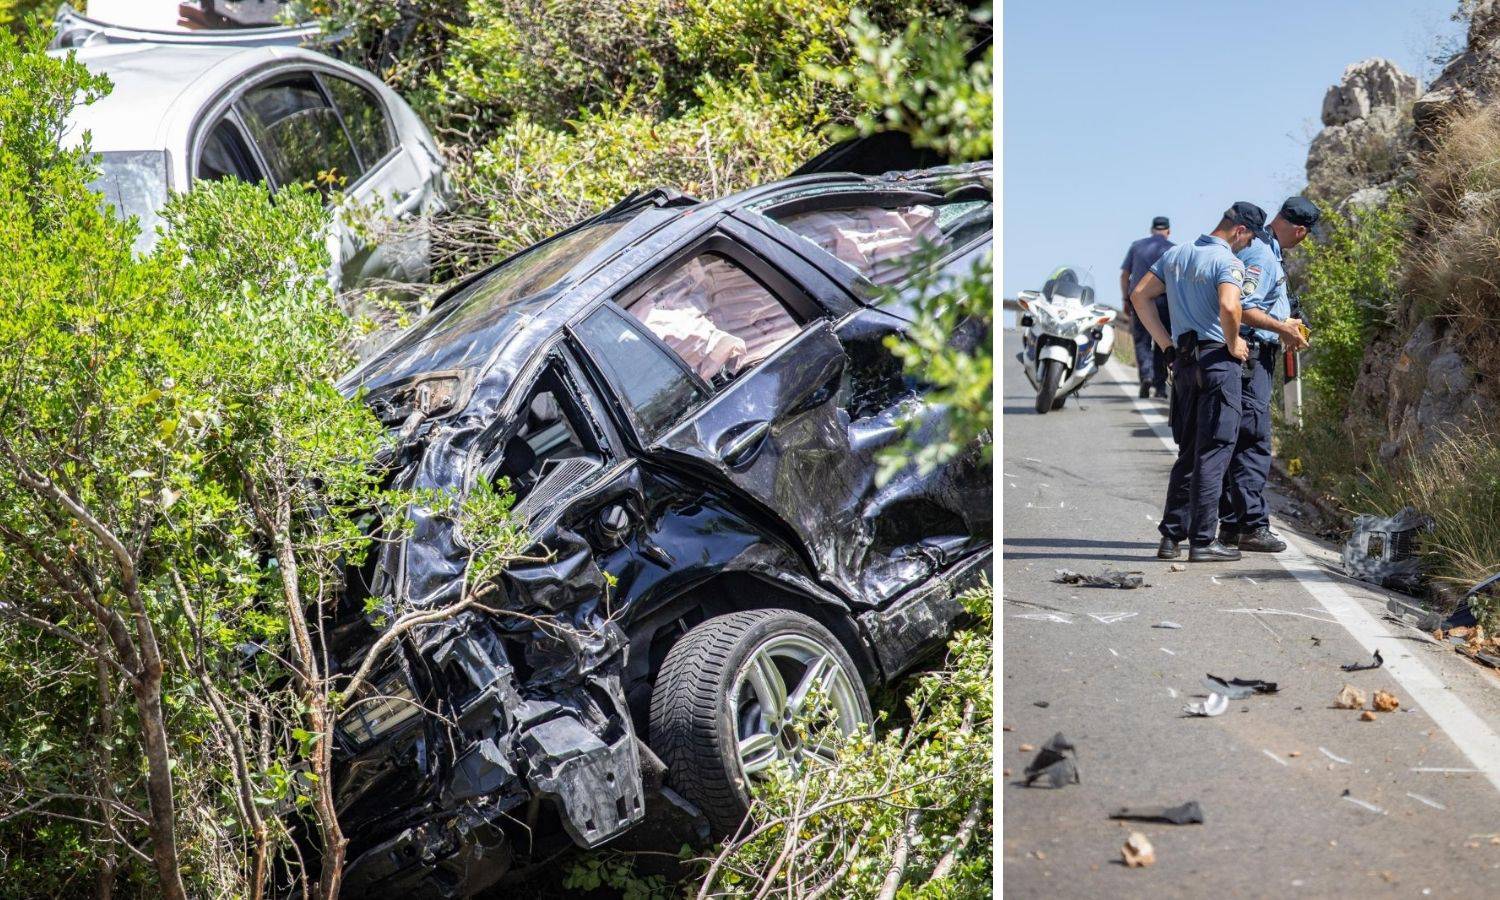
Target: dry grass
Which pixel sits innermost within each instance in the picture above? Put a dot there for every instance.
(1453, 270)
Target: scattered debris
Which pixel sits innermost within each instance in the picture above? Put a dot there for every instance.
(1189, 813)
(1362, 803)
(1239, 688)
(1040, 704)
(1350, 697)
(1385, 702)
(1444, 769)
(1111, 618)
(1367, 716)
(1275, 759)
(1362, 667)
(1166, 651)
(1138, 852)
(1025, 748)
(1054, 763)
(1427, 800)
(1108, 579)
(1166, 625)
(1215, 705)
(1333, 756)
(1177, 567)
(1384, 551)
(1005, 773)
(1045, 617)
(1316, 641)
(1294, 753)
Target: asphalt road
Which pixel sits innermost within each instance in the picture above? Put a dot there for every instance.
(1300, 798)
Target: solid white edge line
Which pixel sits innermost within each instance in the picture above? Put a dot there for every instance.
(1473, 737)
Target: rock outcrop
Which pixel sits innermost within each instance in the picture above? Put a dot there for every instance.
(1366, 121)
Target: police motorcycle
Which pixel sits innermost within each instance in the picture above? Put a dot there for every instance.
(1067, 338)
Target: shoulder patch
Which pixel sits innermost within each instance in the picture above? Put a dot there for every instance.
(1238, 274)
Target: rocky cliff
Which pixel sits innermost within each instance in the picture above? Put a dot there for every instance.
(1421, 377)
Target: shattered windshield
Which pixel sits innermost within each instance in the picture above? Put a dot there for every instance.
(526, 275)
(134, 182)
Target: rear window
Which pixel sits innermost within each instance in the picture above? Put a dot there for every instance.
(882, 243)
(134, 182)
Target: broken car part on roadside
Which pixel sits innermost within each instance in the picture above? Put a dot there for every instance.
(1214, 705)
(1239, 688)
(1189, 813)
(689, 401)
(1375, 663)
(1137, 851)
(1384, 551)
(1124, 580)
(1055, 762)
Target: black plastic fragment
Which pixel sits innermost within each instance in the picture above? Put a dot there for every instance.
(1054, 763)
(1189, 813)
(1362, 667)
(1239, 688)
(1040, 704)
(1128, 581)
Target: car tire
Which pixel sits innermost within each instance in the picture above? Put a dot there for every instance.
(700, 711)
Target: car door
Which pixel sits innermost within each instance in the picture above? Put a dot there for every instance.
(753, 406)
(397, 185)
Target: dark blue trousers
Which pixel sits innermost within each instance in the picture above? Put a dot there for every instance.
(1150, 363)
(1205, 416)
(1243, 507)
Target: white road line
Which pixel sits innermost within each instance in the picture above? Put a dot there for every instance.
(1473, 737)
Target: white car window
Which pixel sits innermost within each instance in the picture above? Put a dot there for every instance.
(364, 117)
(300, 135)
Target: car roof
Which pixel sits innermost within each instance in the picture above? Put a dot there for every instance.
(504, 342)
(156, 86)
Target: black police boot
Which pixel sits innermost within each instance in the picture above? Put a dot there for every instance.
(1168, 549)
(1228, 536)
(1145, 391)
(1160, 393)
(1261, 540)
(1215, 552)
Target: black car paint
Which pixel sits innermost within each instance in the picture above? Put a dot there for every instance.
(764, 496)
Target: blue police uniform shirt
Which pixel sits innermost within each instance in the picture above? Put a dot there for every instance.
(1192, 274)
(1265, 285)
(1142, 255)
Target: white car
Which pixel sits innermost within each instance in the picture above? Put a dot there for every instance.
(280, 115)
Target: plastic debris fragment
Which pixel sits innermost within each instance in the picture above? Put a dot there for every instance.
(1376, 663)
(1215, 705)
(1054, 763)
(1189, 813)
(1239, 688)
(1166, 625)
(1123, 580)
(1384, 550)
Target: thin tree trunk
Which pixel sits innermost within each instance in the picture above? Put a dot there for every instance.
(147, 690)
(314, 685)
(104, 883)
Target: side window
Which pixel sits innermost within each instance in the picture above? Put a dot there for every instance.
(364, 117)
(300, 134)
(648, 379)
(227, 155)
(714, 315)
(878, 243)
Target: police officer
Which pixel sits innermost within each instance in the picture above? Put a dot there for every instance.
(1150, 362)
(1268, 327)
(1203, 281)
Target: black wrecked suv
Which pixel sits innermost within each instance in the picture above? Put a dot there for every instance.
(689, 400)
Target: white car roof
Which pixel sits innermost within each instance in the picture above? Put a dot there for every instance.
(160, 88)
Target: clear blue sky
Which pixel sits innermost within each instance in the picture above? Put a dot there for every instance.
(1115, 112)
